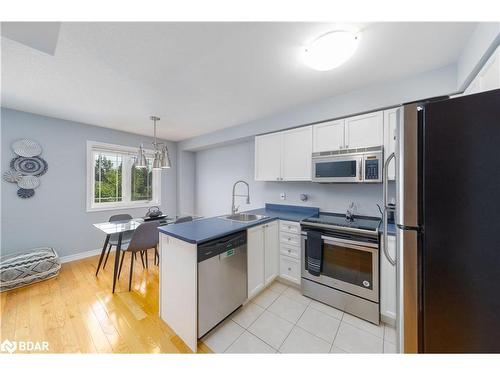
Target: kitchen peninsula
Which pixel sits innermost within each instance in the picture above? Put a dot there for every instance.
(209, 267)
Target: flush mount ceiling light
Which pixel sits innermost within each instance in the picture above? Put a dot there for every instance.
(331, 50)
(161, 158)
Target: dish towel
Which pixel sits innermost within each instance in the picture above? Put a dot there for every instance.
(314, 252)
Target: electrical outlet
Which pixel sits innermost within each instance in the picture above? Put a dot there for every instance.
(283, 196)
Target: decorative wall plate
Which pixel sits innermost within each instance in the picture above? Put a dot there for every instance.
(29, 182)
(34, 166)
(12, 176)
(25, 193)
(26, 147)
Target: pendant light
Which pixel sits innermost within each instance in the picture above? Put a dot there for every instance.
(165, 158)
(161, 158)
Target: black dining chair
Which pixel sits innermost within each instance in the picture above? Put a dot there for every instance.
(145, 237)
(113, 239)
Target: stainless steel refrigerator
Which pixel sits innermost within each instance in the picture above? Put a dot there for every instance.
(448, 225)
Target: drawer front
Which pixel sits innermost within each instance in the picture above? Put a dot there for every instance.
(290, 268)
(291, 251)
(289, 239)
(289, 227)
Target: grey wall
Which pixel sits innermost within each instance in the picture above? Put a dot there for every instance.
(218, 168)
(56, 216)
(185, 182)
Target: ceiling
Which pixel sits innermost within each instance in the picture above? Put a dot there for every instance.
(201, 77)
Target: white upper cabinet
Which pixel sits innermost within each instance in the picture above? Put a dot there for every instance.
(328, 136)
(268, 157)
(287, 155)
(391, 118)
(284, 156)
(364, 130)
(488, 77)
(296, 154)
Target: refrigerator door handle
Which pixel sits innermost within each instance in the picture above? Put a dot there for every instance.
(387, 208)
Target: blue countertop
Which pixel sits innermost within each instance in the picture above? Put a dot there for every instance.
(203, 230)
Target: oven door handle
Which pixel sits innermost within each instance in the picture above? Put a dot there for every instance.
(351, 245)
(342, 242)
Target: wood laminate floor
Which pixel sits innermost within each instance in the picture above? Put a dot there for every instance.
(77, 313)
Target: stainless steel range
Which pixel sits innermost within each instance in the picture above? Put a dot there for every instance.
(348, 278)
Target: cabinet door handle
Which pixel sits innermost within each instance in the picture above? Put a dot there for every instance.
(289, 269)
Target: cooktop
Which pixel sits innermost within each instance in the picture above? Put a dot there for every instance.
(340, 220)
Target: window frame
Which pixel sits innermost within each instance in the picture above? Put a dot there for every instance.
(127, 162)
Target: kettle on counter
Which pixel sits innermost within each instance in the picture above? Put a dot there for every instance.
(154, 212)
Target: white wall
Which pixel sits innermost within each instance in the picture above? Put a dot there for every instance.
(483, 41)
(218, 168)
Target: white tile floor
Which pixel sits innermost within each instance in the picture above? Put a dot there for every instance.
(282, 320)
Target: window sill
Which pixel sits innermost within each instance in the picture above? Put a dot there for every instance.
(127, 206)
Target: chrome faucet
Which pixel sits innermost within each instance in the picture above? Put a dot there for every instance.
(233, 208)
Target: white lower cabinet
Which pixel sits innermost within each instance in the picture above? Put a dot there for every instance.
(289, 244)
(388, 282)
(290, 269)
(271, 252)
(262, 256)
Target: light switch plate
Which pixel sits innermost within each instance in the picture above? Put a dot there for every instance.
(283, 196)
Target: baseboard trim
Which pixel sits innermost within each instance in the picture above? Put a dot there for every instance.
(78, 256)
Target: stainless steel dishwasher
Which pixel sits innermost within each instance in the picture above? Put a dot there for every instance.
(222, 279)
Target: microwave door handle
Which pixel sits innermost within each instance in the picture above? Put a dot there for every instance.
(385, 189)
(361, 169)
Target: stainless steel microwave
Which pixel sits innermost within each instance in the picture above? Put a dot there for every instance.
(361, 165)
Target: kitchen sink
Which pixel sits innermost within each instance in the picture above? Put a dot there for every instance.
(244, 217)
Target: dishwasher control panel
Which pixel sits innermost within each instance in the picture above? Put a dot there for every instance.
(223, 246)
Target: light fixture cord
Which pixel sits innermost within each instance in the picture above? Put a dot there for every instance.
(155, 143)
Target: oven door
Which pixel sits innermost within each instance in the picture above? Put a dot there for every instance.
(337, 169)
(348, 265)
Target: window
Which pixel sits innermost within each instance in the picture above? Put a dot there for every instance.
(114, 181)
